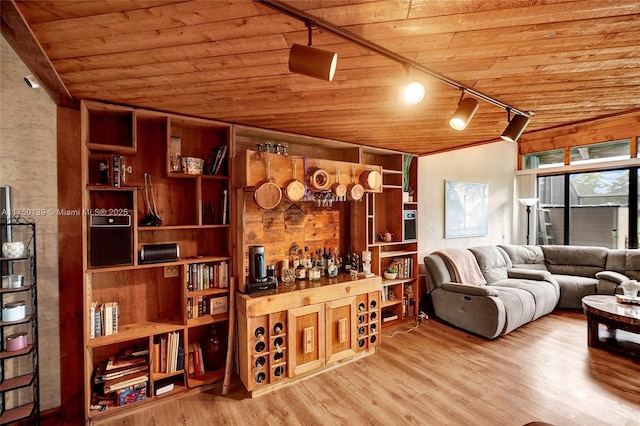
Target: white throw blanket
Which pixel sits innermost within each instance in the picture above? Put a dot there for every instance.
(464, 265)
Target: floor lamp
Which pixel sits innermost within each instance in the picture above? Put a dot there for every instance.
(528, 203)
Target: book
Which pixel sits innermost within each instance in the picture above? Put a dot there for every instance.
(131, 394)
(119, 363)
(114, 319)
(92, 320)
(107, 318)
(102, 375)
(155, 357)
(220, 160)
(180, 360)
(162, 387)
(163, 354)
(386, 318)
(197, 372)
(98, 321)
(126, 381)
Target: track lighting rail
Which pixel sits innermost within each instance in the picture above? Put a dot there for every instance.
(374, 47)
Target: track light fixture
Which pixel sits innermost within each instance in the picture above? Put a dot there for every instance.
(312, 62)
(511, 133)
(467, 107)
(516, 126)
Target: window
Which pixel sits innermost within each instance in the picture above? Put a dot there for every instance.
(606, 151)
(600, 211)
(538, 160)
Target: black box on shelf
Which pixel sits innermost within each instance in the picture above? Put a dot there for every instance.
(110, 240)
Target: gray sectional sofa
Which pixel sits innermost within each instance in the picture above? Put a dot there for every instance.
(522, 283)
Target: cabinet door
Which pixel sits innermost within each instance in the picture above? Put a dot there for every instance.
(306, 338)
(341, 332)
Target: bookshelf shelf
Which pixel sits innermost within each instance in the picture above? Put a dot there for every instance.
(133, 332)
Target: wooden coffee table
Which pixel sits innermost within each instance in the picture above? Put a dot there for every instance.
(601, 309)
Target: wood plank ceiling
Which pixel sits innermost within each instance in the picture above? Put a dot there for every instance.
(568, 61)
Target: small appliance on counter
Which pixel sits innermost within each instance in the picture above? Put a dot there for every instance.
(259, 280)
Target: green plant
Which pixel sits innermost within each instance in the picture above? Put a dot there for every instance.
(392, 269)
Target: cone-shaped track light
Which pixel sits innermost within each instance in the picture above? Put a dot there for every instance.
(312, 62)
(464, 113)
(515, 128)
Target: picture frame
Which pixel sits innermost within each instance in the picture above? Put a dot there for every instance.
(466, 209)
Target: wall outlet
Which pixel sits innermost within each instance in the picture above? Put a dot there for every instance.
(171, 271)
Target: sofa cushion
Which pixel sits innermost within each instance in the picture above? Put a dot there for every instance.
(573, 288)
(525, 257)
(575, 260)
(544, 293)
(626, 262)
(519, 307)
(492, 261)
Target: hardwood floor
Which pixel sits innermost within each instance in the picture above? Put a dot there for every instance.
(437, 375)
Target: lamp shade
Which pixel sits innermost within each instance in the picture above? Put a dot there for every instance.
(464, 113)
(529, 202)
(515, 128)
(312, 62)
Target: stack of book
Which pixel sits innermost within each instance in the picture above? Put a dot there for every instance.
(122, 379)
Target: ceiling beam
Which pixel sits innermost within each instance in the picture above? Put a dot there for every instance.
(22, 40)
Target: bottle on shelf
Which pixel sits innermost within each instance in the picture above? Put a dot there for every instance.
(320, 262)
(347, 262)
(300, 270)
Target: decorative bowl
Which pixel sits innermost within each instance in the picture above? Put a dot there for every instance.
(390, 275)
(13, 249)
(192, 165)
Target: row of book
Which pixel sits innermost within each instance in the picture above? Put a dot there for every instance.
(201, 276)
(206, 305)
(404, 266)
(215, 159)
(167, 353)
(103, 319)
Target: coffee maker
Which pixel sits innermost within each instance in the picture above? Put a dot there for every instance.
(259, 280)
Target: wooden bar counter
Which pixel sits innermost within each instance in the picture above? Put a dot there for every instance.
(306, 327)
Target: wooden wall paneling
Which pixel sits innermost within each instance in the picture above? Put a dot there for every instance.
(609, 129)
(70, 242)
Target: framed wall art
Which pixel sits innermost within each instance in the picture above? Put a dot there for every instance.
(466, 209)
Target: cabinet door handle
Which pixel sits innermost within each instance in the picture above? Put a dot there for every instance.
(308, 339)
(343, 330)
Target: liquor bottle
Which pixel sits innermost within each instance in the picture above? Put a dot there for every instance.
(320, 262)
(326, 256)
(347, 262)
(300, 271)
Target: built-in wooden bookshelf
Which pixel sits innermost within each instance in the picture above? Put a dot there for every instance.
(155, 203)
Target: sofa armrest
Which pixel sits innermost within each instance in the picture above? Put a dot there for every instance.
(614, 277)
(528, 274)
(471, 290)
(609, 282)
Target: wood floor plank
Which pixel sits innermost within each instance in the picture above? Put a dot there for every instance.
(438, 375)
